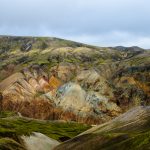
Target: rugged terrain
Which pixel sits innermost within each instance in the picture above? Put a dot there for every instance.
(55, 79)
(63, 86)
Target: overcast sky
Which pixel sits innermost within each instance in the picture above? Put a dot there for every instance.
(98, 22)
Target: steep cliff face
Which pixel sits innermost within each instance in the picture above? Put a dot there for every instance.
(50, 78)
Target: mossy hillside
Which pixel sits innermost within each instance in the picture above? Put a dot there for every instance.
(13, 127)
(139, 60)
(136, 137)
(8, 43)
(10, 144)
(45, 51)
(55, 130)
(139, 140)
(11, 48)
(133, 138)
(4, 114)
(136, 141)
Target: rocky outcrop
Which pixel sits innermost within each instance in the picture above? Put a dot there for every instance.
(72, 96)
(64, 71)
(10, 81)
(91, 80)
(68, 101)
(38, 141)
(74, 93)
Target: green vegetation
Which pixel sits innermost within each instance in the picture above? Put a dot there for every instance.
(139, 60)
(55, 130)
(136, 141)
(25, 51)
(112, 140)
(5, 114)
(10, 144)
(12, 127)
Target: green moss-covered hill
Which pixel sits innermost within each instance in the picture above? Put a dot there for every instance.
(13, 127)
(19, 52)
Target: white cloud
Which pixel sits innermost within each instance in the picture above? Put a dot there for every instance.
(115, 38)
(99, 22)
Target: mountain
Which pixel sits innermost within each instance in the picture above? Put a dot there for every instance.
(55, 79)
(133, 48)
(57, 89)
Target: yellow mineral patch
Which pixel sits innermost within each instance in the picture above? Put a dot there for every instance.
(54, 83)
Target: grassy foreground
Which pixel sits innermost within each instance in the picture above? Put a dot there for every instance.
(12, 127)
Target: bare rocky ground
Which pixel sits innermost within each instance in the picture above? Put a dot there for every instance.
(38, 141)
